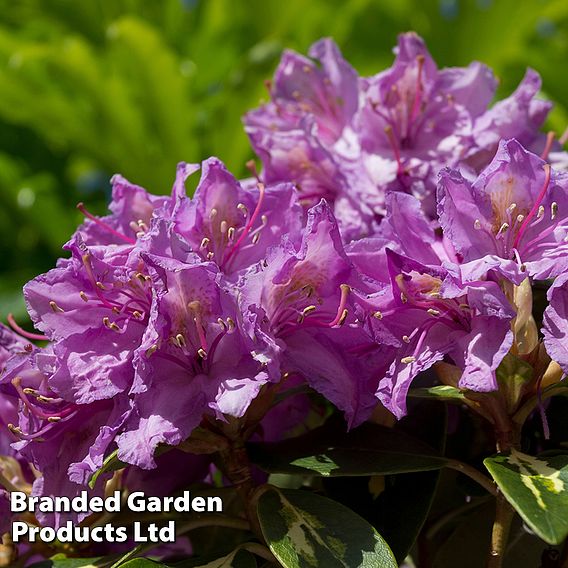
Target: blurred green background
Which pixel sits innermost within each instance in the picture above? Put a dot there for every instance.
(95, 87)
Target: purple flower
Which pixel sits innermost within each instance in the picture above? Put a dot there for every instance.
(304, 295)
(132, 209)
(193, 360)
(555, 328)
(519, 116)
(433, 315)
(352, 141)
(416, 115)
(514, 210)
(96, 313)
(79, 435)
(230, 224)
(328, 92)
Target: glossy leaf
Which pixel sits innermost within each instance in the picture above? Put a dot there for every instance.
(304, 529)
(239, 558)
(61, 561)
(538, 490)
(367, 450)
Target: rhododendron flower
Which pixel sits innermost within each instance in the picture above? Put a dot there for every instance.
(353, 140)
(193, 359)
(516, 209)
(303, 295)
(433, 315)
(229, 224)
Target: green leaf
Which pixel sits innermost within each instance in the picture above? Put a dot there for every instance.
(408, 497)
(111, 463)
(537, 488)
(239, 558)
(61, 561)
(304, 530)
(443, 392)
(143, 563)
(367, 450)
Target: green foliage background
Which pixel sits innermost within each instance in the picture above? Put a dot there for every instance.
(95, 87)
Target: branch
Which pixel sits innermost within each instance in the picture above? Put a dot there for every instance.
(474, 474)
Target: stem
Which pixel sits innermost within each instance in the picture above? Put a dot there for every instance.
(236, 466)
(474, 474)
(504, 514)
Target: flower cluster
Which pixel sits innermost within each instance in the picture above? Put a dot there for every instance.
(353, 140)
(398, 224)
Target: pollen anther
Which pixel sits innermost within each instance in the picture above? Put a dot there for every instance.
(55, 307)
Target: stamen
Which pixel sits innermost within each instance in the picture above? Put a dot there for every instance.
(223, 227)
(202, 353)
(204, 242)
(180, 339)
(378, 315)
(341, 311)
(15, 430)
(408, 360)
(532, 212)
(23, 332)
(100, 285)
(343, 317)
(477, 224)
(251, 167)
(394, 146)
(406, 339)
(433, 312)
(195, 308)
(548, 145)
(250, 222)
(55, 307)
(212, 213)
(54, 419)
(110, 325)
(231, 233)
(98, 221)
(151, 350)
(553, 210)
(418, 91)
(564, 137)
(137, 314)
(504, 227)
(308, 289)
(243, 209)
(210, 255)
(308, 310)
(83, 296)
(48, 399)
(520, 218)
